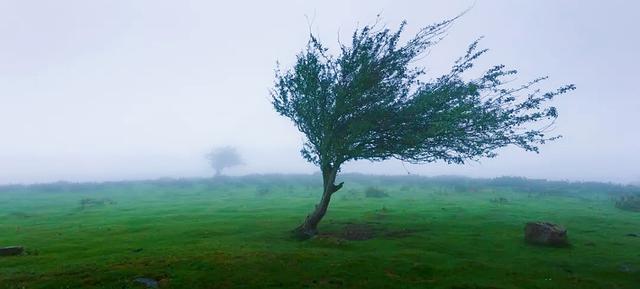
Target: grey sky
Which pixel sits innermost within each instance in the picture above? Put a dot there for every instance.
(108, 90)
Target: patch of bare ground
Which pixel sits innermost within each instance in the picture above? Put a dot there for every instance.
(352, 231)
(401, 233)
(358, 232)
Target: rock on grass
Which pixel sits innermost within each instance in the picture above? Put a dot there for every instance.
(147, 282)
(12, 251)
(546, 234)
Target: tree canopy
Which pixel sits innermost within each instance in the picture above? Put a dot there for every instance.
(224, 157)
(369, 102)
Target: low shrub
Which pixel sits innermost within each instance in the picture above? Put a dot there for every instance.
(263, 191)
(500, 200)
(629, 203)
(89, 202)
(372, 192)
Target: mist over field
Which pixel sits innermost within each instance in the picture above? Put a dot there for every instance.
(121, 90)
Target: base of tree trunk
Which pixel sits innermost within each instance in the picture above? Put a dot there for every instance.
(309, 228)
(302, 233)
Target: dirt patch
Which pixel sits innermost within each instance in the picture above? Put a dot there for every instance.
(358, 232)
(402, 233)
(329, 240)
(352, 231)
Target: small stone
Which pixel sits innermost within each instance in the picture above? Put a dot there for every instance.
(148, 282)
(11, 251)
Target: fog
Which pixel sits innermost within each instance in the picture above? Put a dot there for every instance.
(112, 90)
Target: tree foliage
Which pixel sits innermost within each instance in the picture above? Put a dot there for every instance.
(370, 102)
(224, 157)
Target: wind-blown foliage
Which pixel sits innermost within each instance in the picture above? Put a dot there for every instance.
(372, 102)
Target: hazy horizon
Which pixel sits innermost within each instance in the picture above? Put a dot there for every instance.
(119, 90)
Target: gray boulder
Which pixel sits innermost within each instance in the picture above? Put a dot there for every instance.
(147, 282)
(11, 251)
(546, 234)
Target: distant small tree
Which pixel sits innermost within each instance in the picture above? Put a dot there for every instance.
(370, 102)
(224, 157)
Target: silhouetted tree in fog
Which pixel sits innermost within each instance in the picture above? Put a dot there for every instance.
(224, 157)
(369, 101)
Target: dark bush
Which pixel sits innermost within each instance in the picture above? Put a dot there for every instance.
(263, 191)
(372, 192)
(500, 200)
(629, 203)
(88, 202)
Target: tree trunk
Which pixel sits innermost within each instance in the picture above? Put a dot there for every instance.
(309, 227)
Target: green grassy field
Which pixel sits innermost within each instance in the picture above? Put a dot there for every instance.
(233, 233)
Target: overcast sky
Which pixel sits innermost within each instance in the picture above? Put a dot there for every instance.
(110, 90)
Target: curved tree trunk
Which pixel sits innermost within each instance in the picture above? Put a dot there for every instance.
(309, 227)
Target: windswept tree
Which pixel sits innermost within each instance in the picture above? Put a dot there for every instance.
(370, 101)
(224, 157)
